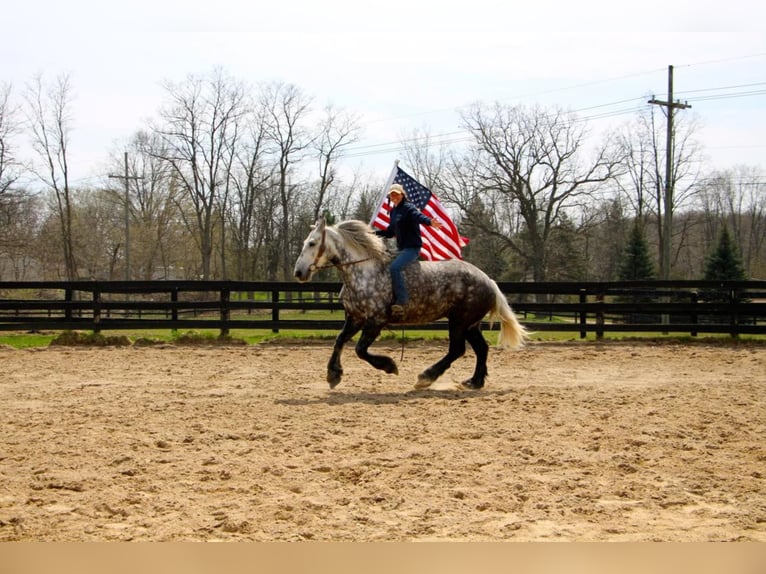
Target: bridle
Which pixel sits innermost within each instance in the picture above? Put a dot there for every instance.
(314, 267)
(334, 262)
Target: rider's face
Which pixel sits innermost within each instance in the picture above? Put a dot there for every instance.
(396, 198)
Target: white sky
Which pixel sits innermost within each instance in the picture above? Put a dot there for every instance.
(400, 65)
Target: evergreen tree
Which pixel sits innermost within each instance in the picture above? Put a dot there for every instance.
(636, 265)
(725, 263)
(565, 259)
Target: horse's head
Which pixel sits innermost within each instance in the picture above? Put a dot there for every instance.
(314, 253)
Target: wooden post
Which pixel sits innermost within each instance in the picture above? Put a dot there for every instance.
(68, 297)
(174, 309)
(695, 317)
(275, 309)
(600, 317)
(96, 310)
(225, 310)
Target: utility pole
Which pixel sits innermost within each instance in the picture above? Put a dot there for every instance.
(667, 227)
(126, 177)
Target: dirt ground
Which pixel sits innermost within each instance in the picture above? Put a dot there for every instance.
(568, 441)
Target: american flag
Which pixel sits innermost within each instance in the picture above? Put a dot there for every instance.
(438, 244)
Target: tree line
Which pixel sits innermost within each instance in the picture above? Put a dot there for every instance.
(225, 182)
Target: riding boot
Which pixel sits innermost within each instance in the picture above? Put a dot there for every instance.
(397, 311)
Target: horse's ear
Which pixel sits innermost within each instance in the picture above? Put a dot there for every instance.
(320, 224)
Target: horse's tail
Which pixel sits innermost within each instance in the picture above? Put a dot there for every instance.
(513, 335)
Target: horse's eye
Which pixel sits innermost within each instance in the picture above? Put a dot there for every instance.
(312, 243)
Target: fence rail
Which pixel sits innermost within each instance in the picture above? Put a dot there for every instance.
(734, 307)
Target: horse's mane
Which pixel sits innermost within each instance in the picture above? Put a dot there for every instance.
(360, 237)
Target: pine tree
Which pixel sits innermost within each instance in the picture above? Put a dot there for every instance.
(725, 263)
(636, 265)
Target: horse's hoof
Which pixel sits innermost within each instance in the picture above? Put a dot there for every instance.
(333, 377)
(423, 382)
(471, 385)
(391, 369)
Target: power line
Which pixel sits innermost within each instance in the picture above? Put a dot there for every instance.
(728, 96)
(725, 88)
(464, 135)
(723, 60)
(580, 85)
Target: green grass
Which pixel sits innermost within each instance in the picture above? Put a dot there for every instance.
(27, 340)
(259, 336)
(255, 337)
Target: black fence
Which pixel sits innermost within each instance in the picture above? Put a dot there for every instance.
(689, 307)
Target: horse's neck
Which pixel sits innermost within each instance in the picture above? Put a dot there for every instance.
(356, 268)
(341, 253)
(350, 262)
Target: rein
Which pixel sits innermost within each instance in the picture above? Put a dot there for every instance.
(338, 264)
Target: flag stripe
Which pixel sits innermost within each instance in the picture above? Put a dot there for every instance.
(438, 244)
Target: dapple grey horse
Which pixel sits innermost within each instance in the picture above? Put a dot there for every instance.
(454, 289)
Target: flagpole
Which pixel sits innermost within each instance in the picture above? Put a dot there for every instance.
(390, 181)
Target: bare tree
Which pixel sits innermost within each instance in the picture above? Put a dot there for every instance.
(286, 109)
(152, 204)
(20, 220)
(337, 131)
(639, 182)
(365, 199)
(10, 168)
(98, 228)
(50, 124)
(251, 211)
(198, 133)
(531, 165)
(643, 144)
(426, 157)
(11, 199)
(735, 198)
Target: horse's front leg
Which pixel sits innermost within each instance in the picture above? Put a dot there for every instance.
(334, 368)
(370, 332)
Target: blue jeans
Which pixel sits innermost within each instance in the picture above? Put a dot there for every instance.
(402, 259)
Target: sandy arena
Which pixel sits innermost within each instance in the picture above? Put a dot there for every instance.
(568, 441)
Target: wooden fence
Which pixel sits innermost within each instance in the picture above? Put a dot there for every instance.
(689, 307)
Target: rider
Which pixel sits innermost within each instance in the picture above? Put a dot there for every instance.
(404, 223)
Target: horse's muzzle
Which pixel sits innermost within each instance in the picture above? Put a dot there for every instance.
(302, 276)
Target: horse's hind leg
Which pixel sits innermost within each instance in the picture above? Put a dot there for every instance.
(334, 368)
(369, 333)
(456, 350)
(481, 348)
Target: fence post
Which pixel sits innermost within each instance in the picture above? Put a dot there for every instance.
(583, 314)
(96, 310)
(275, 309)
(225, 311)
(734, 313)
(68, 297)
(695, 316)
(174, 309)
(600, 316)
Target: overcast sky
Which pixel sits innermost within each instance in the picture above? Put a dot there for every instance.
(401, 65)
